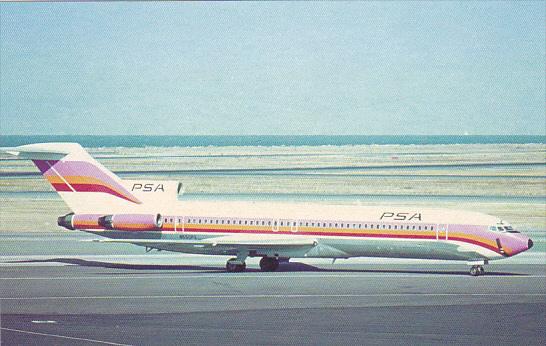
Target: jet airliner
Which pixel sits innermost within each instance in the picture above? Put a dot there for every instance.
(149, 214)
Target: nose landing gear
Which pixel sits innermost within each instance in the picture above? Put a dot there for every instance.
(477, 270)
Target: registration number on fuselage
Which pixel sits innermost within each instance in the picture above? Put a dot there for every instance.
(188, 236)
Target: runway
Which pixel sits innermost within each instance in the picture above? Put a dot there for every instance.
(139, 299)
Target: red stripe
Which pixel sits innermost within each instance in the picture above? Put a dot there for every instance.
(62, 187)
(349, 234)
(98, 188)
(475, 242)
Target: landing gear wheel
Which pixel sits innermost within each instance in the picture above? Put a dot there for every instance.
(477, 270)
(233, 267)
(269, 264)
(474, 271)
(482, 271)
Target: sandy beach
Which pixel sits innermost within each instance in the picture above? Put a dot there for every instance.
(507, 180)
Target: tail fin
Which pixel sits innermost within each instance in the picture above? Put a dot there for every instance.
(86, 186)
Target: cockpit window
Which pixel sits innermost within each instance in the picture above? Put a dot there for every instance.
(503, 228)
(509, 229)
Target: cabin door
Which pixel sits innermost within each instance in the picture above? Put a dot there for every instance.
(442, 232)
(293, 226)
(276, 225)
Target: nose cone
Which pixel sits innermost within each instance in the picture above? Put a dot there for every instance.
(518, 243)
(514, 243)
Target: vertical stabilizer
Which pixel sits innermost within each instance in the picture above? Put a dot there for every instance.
(83, 183)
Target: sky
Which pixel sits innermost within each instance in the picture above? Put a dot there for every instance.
(275, 68)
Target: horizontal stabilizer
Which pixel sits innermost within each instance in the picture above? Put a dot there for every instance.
(44, 151)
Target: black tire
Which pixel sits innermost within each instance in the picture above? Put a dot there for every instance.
(269, 264)
(474, 271)
(232, 267)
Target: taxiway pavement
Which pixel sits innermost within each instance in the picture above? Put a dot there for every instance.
(79, 300)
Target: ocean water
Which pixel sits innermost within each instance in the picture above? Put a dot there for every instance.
(312, 140)
(307, 197)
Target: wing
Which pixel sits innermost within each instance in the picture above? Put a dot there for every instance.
(225, 243)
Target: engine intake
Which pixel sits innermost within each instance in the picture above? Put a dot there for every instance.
(79, 221)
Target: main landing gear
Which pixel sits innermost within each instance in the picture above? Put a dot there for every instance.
(269, 264)
(477, 270)
(237, 265)
(234, 265)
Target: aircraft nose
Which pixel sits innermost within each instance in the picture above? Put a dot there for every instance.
(529, 244)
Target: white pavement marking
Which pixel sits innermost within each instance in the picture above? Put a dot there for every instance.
(230, 296)
(63, 337)
(275, 276)
(44, 322)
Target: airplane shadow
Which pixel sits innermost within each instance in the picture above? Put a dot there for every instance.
(283, 267)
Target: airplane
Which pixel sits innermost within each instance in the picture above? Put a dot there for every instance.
(148, 213)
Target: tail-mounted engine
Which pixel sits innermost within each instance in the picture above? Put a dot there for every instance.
(121, 222)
